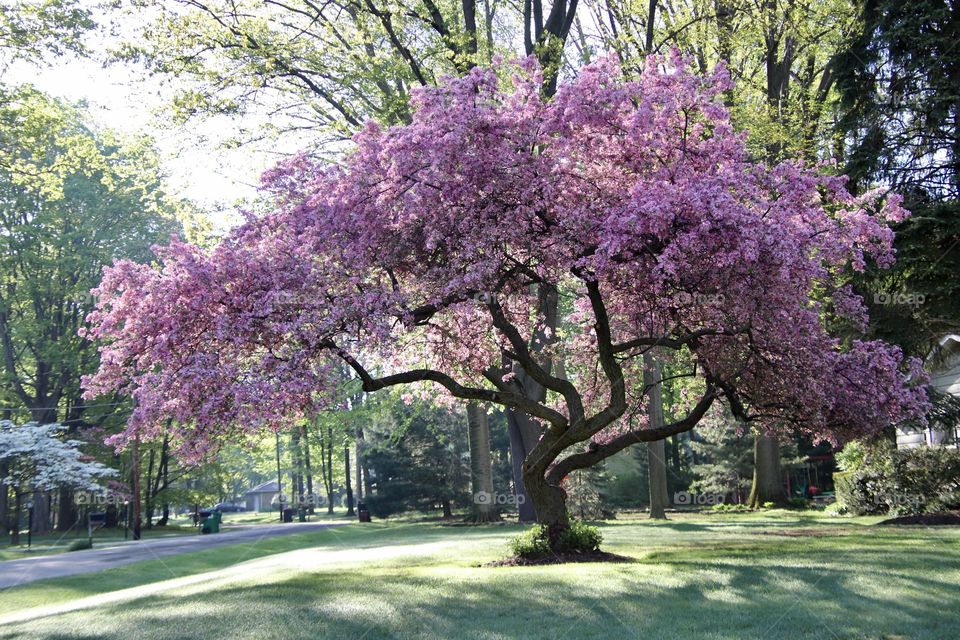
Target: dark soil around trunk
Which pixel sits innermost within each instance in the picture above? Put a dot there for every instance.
(944, 518)
(560, 558)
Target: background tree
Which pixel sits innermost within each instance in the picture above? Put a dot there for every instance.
(899, 81)
(72, 200)
(418, 461)
(38, 460)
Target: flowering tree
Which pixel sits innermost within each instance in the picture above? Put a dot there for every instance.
(425, 260)
(38, 459)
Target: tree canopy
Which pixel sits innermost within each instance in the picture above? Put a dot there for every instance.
(413, 263)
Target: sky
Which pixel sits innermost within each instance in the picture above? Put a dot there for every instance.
(121, 97)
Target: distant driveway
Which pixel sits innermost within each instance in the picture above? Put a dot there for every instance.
(17, 572)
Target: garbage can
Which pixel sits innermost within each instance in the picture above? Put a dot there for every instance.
(288, 515)
(302, 514)
(363, 513)
(211, 524)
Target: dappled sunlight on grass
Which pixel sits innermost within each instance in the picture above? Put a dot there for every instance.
(721, 577)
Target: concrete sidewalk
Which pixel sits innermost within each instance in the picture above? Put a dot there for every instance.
(23, 571)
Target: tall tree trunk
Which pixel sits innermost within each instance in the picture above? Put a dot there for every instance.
(41, 512)
(296, 475)
(346, 461)
(651, 22)
(308, 468)
(15, 521)
(767, 474)
(163, 480)
(135, 486)
(328, 479)
(4, 498)
(152, 480)
(359, 470)
(523, 437)
(656, 452)
(481, 468)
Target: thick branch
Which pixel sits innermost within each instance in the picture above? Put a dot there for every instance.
(531, 366)
(596, 452)
(500, 397)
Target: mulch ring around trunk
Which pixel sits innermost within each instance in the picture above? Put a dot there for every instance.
(928, 519)
(559, 558)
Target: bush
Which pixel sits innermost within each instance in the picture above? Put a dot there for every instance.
(899, 482)
(580, 538)
(79, 545)
(859, 491)
(535, 542)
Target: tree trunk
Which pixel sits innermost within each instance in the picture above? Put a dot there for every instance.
(41, 512)
(296, 475)
(481, 468)
(524, 432)
(657, 472)
(767, 475)
(656, 451)
(359, 471)
(550, 503)
(308, 469)
(4, 495)
(15, 522)
(346, 460)
(164, 475)
(66, 510)
(328, 469)
(135, 487)
(362, 462)
(522, 435)
(152, 480)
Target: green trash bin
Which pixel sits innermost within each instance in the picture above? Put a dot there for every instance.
(302, 514)
(211, 524)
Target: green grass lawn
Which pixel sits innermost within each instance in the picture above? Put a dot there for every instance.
(736, 576)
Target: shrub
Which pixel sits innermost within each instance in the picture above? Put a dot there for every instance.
(580, 538)
(535, 542)
(859, 491)
(532, 543)
(79, 545)
(912, 481)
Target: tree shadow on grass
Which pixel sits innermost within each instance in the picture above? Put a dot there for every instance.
(813, 595)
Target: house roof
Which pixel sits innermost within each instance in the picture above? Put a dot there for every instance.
(266, 487)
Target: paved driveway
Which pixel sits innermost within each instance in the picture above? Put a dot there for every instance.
(17, 572)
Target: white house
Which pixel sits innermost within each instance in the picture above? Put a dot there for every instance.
(943, 363)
